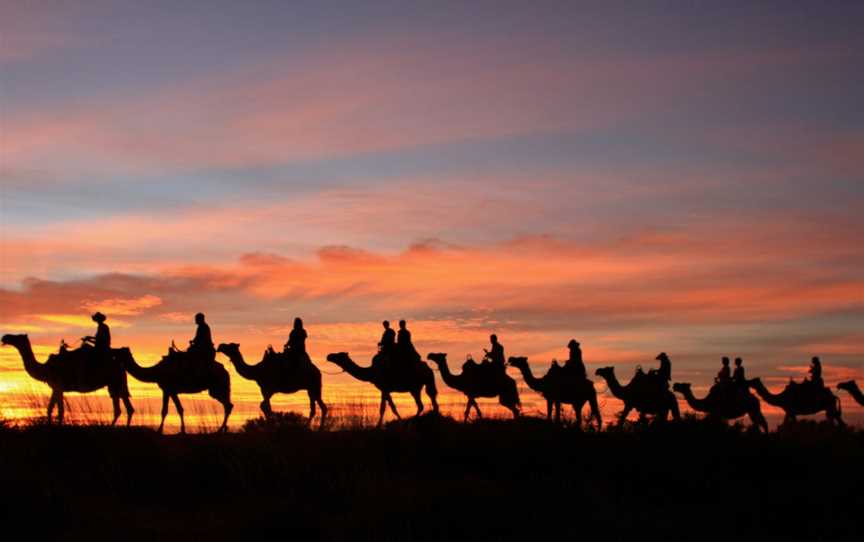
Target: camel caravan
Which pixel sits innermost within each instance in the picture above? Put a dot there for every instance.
(397, 367)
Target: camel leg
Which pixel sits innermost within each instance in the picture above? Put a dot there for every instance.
(129, 410)
(381, 409)
(227, 407)
(51, 403)
(115, 402)
(476, 408)
(676, 413)
(322, 406)
(265, 406)
(176, 399)
(418, 401)
(758, 420)
(164, 411)
(61, 407)
(393, 406)
(577, 409)
(311, 406)
(625, 413)
(595, 411)
(557, 412)
(467, 409)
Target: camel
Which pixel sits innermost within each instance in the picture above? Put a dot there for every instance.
(480, 382)
(727, 404)
(274, 374)
(853, 390)
(74, 371)
(173, 376)
(643, 393)
(800, 399)
(409, 378)
(556, 387)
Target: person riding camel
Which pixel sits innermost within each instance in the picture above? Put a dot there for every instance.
(495, 356)
(296, 345)
(574, 362)
(101, 342)
(816, 372)
(404, 345)
(738, 375)
(665, 371)
(202, 344)
(724, 376)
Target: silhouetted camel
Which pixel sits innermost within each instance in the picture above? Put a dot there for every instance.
(557, 387)
(728, 404)
(800, 399)
(175, 377)
(74, 372)
(851, 387)
(276, 374)
(482, 381)
(410, 378)
(650, 398)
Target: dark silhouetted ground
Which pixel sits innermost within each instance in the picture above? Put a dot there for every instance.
(434, 479)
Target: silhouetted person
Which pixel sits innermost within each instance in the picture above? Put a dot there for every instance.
(202, 344)
(738, 376)
(297, 338)
(388, 338)
(404, 344)
(665, 371)
(101, 342)
(725, 373)
(816, 372)
(496, 354)
(574, 361)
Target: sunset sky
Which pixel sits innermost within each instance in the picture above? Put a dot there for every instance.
(643, 177)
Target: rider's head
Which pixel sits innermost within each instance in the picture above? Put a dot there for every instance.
(298, 323)
(493, 338)
(738, 362)
(199, 318)
(725, 360)
(662, 356)
(386, 324)
(572, 344)
(99, 317)
(816, 360)
(401, 324)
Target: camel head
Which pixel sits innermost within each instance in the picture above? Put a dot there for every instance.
(849, 385)
(518, 361)
(605, 372)
(229, 349)
(339, 358)
(437, 357)
(14, 340)
(681, 387)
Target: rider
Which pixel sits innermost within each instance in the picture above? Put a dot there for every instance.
(724, 376)
(738, 376)
(101, 342)
(404, 344)
(296, 344)
(574, 362)
(388, 338)
(202, 344)
(816, 372)
(665, 371)
(496, 355)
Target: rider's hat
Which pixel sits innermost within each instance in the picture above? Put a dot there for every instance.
(98, 317)
(572, 343)
(662, 355)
